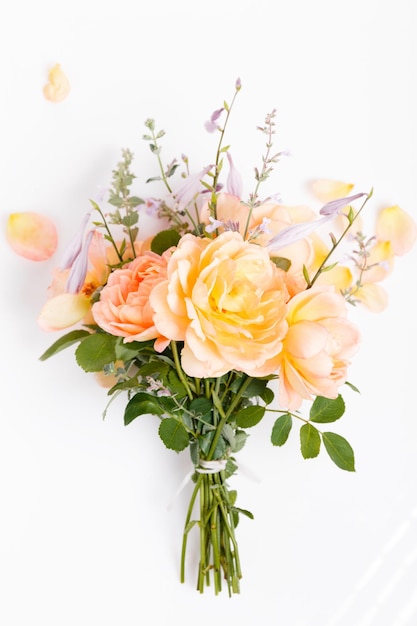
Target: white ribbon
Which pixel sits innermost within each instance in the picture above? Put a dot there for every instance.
(210, 467)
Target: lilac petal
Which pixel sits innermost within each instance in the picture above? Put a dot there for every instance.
(234, 179)
(294, 233)
(74, 247)
(333, 207)
(211, 125)
(79, 268)
(191, 187)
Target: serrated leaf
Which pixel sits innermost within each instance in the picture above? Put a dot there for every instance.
(339, 450)
(96, 351)
(281, 430)
(64, 342)
(310, 441)
(326, 410)
(164, 240)
(250, 416)
(173, 434)
(202, 407)
(141, 404)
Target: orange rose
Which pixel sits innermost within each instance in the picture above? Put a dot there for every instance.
(124, 309)
(226, 301)
(316, 349)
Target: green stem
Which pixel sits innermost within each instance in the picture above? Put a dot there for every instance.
(336, 244)
(179, 369)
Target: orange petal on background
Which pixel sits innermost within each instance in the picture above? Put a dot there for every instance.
(326, 190)
(63, 311)
(58, 87)
(32, 235)
(373, 296)
(395, 225)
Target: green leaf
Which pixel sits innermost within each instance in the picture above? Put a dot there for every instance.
(310, 441)
(268, 395)
(173, 434)
(96, 351)
(250, 416)
(352, 386)
(325, 410)
(281, 430)
(141, 404)
(340, 451)
(64, 342)
(243, 512)
(175, 385)
(281, 262)
(164, 240)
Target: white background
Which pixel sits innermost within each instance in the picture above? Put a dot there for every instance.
(85, 535)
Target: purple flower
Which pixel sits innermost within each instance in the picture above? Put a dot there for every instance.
(295, 232)
(335, 206)
(79, 268)
(152, 205)
(234, 182)
(191, 187)
(211, 126)
(74, 247)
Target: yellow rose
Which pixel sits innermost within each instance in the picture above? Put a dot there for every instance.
(226, 301)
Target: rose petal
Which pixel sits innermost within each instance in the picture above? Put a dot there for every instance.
(32, 235)
(58, 87)
(63, 311)
(325, 189)
(395, 225)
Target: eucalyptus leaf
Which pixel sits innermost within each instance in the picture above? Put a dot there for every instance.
(339, 450)
(173, 434)
(310, 441)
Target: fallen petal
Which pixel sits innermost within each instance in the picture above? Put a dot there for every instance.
(32, 235)
(58, 87)
(325, 189)
(393, 224)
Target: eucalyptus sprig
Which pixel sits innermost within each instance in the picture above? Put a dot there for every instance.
(155, 148)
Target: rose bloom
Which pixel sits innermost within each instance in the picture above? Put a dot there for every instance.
(303, 252)
(124, 309)
(226, 301)
(316, 349)
(62, 309)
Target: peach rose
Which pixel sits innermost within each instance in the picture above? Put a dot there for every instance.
(276, 217)
(124, 309)
(316, 349)
(226, 301)
(63, 310)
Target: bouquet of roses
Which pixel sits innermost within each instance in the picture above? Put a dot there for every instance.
(234, 302)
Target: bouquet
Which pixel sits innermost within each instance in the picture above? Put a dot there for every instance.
(237, 305)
